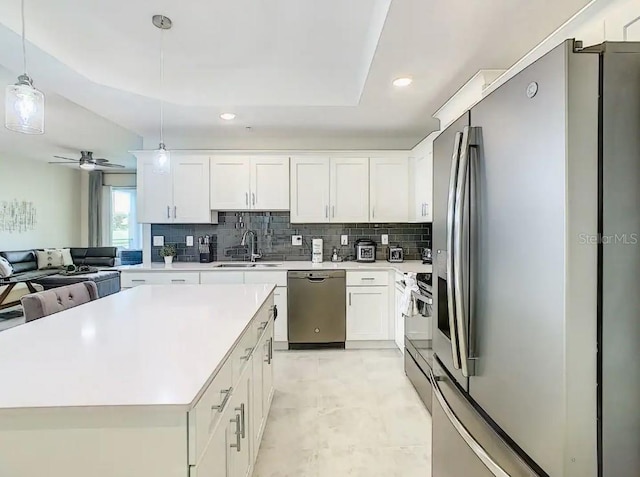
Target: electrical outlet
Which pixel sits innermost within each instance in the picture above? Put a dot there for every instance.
(385, 239)
(296, 240)
(189, 240)
(344, 240)
(158, 240)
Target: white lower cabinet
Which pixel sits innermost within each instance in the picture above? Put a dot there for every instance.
(368, 313)
(217, 460)
(221, 277)
(262, 385)
(398, 316)
(134, 279)
(281, 332)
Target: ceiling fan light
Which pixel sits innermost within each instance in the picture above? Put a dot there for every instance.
(24, 107)
(161, 160)
(87, 166)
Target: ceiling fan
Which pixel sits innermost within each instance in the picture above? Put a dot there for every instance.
(87, 161)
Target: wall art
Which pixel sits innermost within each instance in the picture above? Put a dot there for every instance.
(17, 216)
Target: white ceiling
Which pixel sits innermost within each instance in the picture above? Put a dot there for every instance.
(300, 73)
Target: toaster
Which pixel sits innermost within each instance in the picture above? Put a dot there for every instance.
(395, 254)
(365, 250)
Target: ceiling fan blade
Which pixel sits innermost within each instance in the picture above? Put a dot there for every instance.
(109, 165)
(100, 160)
(66, 158)
(61, 162)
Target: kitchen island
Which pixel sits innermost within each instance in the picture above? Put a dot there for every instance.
(156, 380)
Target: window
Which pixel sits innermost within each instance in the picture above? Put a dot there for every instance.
(125, 231)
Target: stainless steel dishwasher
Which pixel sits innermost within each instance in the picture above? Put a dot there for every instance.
(317, 309)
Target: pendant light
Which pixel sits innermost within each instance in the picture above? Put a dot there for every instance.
(162, 157)
(24, 104)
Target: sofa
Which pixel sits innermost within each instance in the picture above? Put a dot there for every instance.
(26, 273)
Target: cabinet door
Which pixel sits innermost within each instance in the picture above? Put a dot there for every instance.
(310, 190)
(368, 313)
(217, 460)
(241, 401)
(155, 193)
(280, 300)
(422, 178)
(399, 320)
(270, 183)
(349, 190)
(230, 183)
(190, 189)
(257, 416)
(267, 373)
(389, 189)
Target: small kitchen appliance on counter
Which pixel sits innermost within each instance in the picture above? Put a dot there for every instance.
(316, 250)
(426, 256)
(206, 249)
(395, 254)
(365, 250)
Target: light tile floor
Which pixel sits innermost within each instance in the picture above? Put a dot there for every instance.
(344, 413)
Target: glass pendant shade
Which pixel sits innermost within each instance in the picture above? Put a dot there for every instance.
(161, 160)
(87, 166)
(24, 107)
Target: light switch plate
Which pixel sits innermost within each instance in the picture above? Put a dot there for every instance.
(385, 239)
(189, 240)
(158, 240)
(296, 240)
(344, 240)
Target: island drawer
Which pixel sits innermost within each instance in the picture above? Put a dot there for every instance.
(205, 415)
(362, 278)
(130, 280)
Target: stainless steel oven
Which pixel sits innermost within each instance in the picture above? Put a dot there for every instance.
(418, 358)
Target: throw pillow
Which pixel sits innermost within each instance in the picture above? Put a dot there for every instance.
(66, 257)
(49, 258)
(6, 270)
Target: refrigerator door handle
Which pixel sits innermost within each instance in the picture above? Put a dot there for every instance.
(458, 226)
(473, 444)
(451, 206)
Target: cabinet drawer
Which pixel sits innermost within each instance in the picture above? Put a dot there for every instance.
(278, 278)
(205, 415)
(216, 278)
(367, 278)
(129, 280)
(242, 352)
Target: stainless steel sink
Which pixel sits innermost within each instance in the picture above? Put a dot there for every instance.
(247, 265)
(235, 265)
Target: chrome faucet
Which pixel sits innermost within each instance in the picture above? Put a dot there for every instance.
(253, 244)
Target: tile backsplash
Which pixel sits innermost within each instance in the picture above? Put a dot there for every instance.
(274, 233)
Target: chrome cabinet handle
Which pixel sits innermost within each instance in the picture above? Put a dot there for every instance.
(373, 212)
(263, 325)
(266, 360)
(473, 444)
(138, 281)
(270, 350)
(175, 212)
(248, 355)
(367, 278)
(238, 445)
(241, 411)
(227, 395)
(253, 198)
(333, 211)
(178, 280)
(246, 198)
(451, 205)
(168, 212)
(458, 217)
(349, 298)
(274, 311)
(326, 211)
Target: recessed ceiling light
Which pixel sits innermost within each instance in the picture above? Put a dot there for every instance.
(402, 82)
(228, 116)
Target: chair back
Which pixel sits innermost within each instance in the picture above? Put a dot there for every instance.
(38, 305)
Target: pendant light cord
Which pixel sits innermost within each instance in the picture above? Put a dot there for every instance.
(24, 43)
(161, 86)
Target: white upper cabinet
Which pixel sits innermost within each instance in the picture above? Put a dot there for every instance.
(249, 183)
(190, 189)
(154, 193)
(421, 189)
(270, 183)
(310, 189)
(349, 185)
(182, 196)
(230, 182)
(389, 189)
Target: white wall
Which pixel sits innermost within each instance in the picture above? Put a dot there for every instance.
(119, 179)
(55, 193)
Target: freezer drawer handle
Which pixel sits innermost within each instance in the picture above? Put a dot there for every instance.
(477, 449)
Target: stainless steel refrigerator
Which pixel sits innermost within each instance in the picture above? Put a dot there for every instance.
(537, 273)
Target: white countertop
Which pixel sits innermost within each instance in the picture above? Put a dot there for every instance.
(151, 345)
(407, 266)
